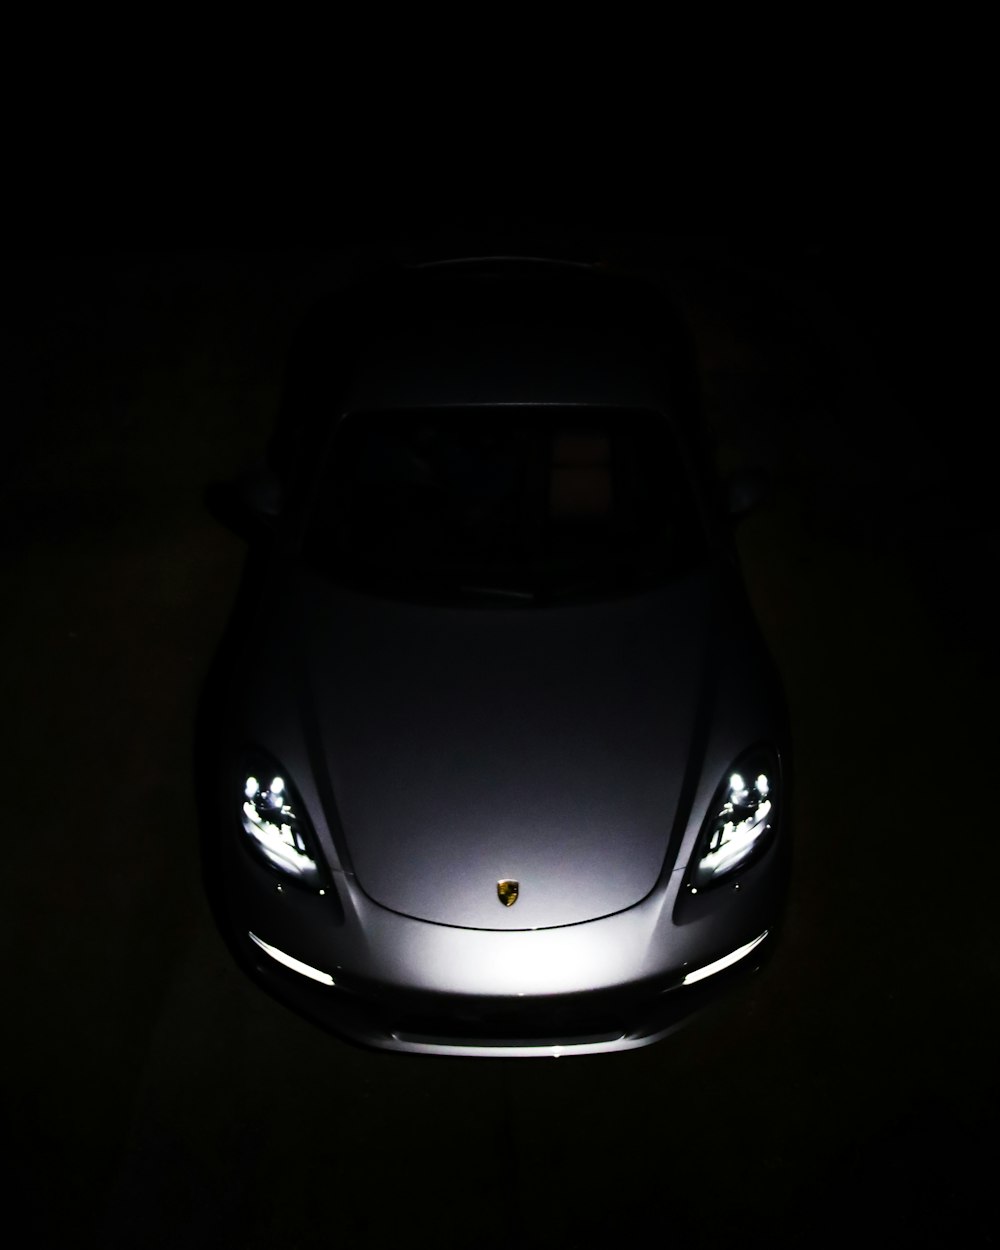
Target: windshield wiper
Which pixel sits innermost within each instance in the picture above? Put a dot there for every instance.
(498, 592)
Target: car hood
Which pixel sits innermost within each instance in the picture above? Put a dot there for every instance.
(468, 745)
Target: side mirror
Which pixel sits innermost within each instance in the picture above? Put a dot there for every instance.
(250, 505)
(745, 489)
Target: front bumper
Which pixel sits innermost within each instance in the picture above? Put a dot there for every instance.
(559, 1025)
(391, 982)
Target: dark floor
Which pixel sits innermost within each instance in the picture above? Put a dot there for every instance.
(154, 1097)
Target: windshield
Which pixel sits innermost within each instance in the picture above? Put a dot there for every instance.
(522, 503)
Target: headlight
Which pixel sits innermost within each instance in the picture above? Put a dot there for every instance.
(274, 823)
(742, 818)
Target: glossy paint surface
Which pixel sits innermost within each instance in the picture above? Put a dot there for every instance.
(441, 747)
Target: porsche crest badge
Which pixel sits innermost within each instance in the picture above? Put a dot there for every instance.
(507, 892)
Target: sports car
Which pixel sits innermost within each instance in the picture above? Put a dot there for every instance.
(494, 760)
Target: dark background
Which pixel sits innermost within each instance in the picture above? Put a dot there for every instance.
(155, 1097)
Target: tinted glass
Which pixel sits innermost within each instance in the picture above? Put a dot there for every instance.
(512, 502)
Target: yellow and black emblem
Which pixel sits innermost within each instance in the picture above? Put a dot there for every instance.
(507, 892)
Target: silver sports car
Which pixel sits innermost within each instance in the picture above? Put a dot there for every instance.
(495, 761)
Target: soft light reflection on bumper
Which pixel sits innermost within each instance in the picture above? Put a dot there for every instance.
(725, 962)
(296, 965)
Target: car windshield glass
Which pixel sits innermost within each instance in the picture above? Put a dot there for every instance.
(515, 502)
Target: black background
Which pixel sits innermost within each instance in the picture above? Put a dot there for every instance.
(154, 1097)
